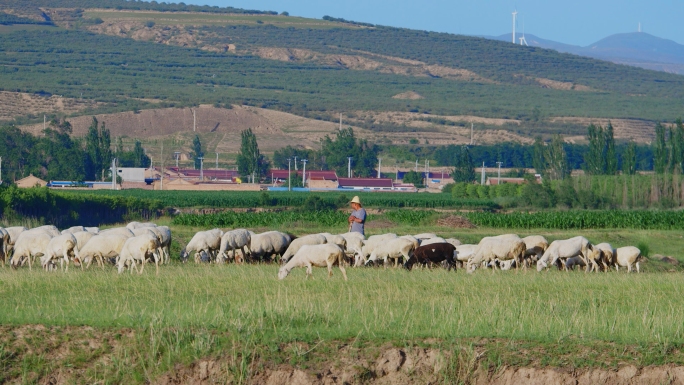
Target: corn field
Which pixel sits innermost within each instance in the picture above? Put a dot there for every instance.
(261, 219)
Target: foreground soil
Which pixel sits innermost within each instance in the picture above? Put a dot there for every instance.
(68, 355)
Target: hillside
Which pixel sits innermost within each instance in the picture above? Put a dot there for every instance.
(637, 49)
(397, 82)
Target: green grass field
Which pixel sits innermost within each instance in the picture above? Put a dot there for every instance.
(146, 325)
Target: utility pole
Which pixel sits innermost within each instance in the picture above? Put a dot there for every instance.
(498, 182)
(114, 174)
(201, 169)
(295, 162)
(162, 167)
(304, 173)
(482, 178)
(349, 158)
(194, 121)
(217, 160)
(471, 133)
(289, 182)
(416, 165)
(177, 154)
(44, 122)
(379, 166)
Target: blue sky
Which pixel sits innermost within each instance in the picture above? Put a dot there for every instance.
(579, 22)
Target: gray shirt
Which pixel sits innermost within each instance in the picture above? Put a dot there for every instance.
(358, 227)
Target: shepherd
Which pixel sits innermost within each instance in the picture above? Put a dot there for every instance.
(357, 217)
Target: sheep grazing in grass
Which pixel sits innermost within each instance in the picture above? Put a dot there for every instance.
(62, 248)
(138, 225)
(118, 231)
(50, 229)
(269, 244)
(564, 249)
(626, 257)
(203, 241)
(372, 242)
(502, 247)
(605, 254)
(395, 249)
(30, 244)
(453, 241)
(5, 240)
(535, 246)
(354, 246)
(434, 253)
(138, 249)
(234, 240)
(570, 263)
(325, 255)
(312, 239)
(433, 241)
(101, 247)
(464, 253)
(14, 233)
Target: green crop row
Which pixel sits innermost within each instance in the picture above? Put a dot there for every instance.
(261, 219)
(239, 199)
(566, 220)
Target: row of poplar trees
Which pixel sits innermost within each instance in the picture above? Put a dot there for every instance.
(668, 151)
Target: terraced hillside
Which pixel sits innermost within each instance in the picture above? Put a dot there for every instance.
(403, 83)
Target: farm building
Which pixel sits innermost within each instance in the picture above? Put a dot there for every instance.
(30, 181)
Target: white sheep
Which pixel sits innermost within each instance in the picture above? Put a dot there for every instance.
(101, 247)
(164, 235)
(73, 229)
(432, 241)
(502, 247)
(295, 245)
(138, 225)
(424, 236)
(14, 233)
(324, 255)
(335, 239)
(372, 242)
(465, 252)
(119, 231)
(30, 244)
(453, 241)
(535, 246)
(395, 249)
(604, 253)
(233, 240)
(203, 241)
(82, 237)
(269, 244)
(61, 247)
(564, 249)
(626, 257)
(5, 240)
(94, 230)
(139, 248)
(50, 229)
(570, 263)
(354, 245)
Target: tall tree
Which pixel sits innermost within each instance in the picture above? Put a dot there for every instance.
(464, 170)
(92, 148)
(557, 159)
(629, 159)
(250, 161)
(197, 152)
(539, 159)
(660, 153)
(594, 159)
(336, 151)
(610, 154)
(677, 147)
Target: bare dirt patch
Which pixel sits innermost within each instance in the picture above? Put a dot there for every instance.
(409, 95)
(557, 85)
(15, 104)
(640, 131)
(456, 221)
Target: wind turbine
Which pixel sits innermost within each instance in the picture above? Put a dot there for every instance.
(522, 39)
(515, 13)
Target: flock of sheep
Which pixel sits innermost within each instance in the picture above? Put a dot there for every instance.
(140, 243)
(125, 246)
(504, 252)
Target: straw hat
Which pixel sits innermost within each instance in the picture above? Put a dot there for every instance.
(356, 200)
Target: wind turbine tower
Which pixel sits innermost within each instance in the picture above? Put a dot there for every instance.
(515, 14)
(522, 39)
